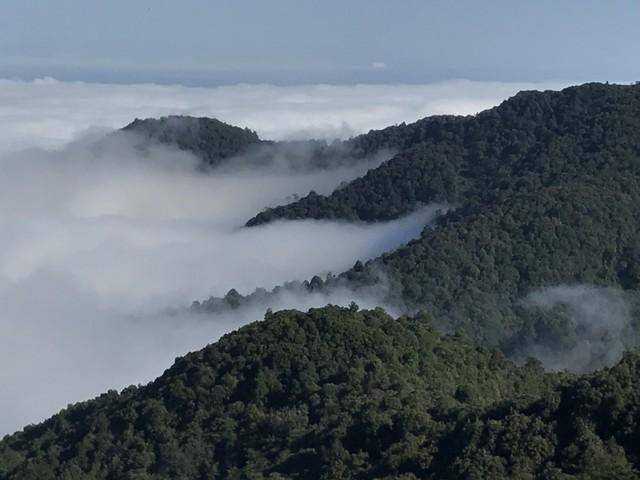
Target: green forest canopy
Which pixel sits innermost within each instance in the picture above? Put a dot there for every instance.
(342, 393)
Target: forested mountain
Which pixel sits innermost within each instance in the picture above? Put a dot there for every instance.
(207, 138)
(475, 267)
(564, 211)
(547, 192)
(216, 142)
(530, 141)
(343, 393)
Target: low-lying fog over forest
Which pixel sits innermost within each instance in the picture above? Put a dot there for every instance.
(102, 243)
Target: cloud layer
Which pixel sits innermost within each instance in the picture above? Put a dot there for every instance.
(49, 113)
(97, 241)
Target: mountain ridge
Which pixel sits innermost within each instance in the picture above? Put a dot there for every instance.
(208, 138)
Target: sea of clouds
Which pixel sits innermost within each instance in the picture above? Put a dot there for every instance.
(49, 113)
(98, 240)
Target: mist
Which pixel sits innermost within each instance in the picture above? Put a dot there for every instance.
(100, 240)
(592, 326)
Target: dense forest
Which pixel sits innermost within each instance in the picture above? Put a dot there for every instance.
(475, 267)
(472, 270)
(344, 393)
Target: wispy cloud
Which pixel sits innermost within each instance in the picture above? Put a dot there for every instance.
(587, 327)
(379, 65)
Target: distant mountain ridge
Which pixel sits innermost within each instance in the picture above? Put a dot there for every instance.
(218, 144)
(207, 138)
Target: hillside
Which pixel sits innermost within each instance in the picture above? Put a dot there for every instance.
(207, 138)
(530, 141)
(547, 193)
(474, 268)
(342, 393)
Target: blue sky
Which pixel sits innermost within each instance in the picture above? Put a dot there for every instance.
(302, 41)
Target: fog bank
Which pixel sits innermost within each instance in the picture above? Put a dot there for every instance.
(98, 240)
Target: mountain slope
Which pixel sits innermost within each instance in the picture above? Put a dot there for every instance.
(588, 429)
(207, 138)
(532, 140)
(475, 267)
(547, 193)
(341, 393)
(474, 270)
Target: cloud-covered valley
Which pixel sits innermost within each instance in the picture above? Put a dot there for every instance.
(98, 240)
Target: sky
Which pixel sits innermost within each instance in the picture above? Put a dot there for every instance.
(200, 42)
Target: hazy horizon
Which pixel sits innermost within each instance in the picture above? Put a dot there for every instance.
(292, 42)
